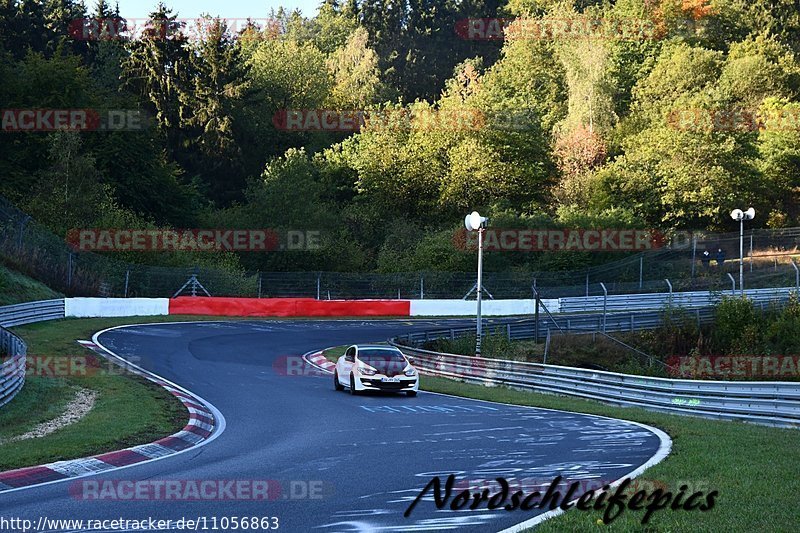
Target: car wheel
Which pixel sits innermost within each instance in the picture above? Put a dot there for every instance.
(353, 390)
(336, 385)
(412, 393)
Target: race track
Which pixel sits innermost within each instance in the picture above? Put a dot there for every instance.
(365, 458)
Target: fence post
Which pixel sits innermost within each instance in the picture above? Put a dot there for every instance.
(69, 270)
(751, 251)
(733, 284)
(641, 271)
(127, 280)
(319, 285)
(535, 313)
(694, 252)
(546, 347)
(796, 276)
(670, 291)
(587, 284)
(508, 331)
(20, 237)
(259, 283)
(421, 287)
(605, 304)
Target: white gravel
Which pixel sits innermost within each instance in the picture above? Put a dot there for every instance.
(79, 407)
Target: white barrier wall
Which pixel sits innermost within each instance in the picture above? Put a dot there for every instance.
(488, 307)
(115, 307)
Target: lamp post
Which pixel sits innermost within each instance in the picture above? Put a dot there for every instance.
(475, 222)
(741, 216)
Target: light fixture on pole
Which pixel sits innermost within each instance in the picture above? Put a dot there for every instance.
(740, 216)
(475, 222)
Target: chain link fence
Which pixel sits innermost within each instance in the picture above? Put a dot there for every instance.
(769, 262)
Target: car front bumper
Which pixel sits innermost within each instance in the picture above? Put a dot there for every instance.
(375, 383)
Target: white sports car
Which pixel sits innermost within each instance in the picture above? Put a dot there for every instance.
(376, 368)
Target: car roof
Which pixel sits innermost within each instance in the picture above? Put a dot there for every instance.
(375, 347)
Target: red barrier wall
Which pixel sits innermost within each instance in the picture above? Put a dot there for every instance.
(286, 307)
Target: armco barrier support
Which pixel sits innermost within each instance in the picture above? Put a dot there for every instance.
(766, 403)
(286, 307)
(115, 307)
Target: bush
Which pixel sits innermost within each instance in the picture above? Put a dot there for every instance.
(737, 327)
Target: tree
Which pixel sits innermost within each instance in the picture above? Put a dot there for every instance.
(68, 193)
(156, 69)
(354, 68)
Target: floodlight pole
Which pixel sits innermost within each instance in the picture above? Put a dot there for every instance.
(740, 216)
(741, 257)
(480, 289)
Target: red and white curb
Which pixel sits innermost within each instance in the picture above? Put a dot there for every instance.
(320, 361)
(205, 424)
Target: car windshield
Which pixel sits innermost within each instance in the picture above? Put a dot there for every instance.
(382, 358)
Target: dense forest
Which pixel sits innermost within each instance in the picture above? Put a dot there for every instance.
(670, 126)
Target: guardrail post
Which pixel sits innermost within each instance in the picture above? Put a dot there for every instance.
(733, 284)
(796, 275)
(605, 304)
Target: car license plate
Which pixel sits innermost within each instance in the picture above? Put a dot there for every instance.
(390, 380)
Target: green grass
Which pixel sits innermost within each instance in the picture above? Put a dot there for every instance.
(17, 288)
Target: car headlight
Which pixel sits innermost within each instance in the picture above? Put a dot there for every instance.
(367, 371)
(410, 372)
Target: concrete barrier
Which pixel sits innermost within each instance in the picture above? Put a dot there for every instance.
(115, 307)
(488, 307)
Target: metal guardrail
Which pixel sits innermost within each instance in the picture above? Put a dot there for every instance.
(528, 328)
(766, 403)
(687, 300)
(12, 371)
(28, 313)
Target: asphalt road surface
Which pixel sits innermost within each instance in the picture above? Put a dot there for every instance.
(335, 462)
